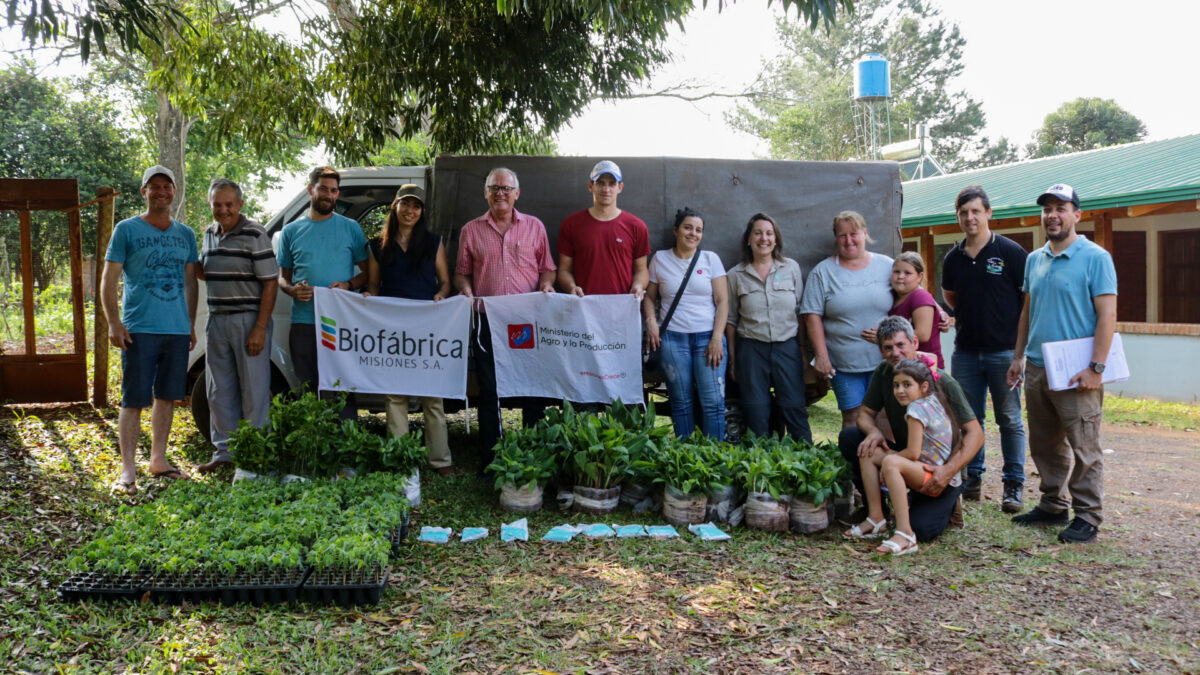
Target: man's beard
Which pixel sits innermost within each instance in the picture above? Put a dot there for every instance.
(322, 207)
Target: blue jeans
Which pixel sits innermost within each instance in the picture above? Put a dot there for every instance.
(978, 372)
(685, 368)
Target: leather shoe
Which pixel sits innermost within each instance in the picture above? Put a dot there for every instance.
(445, 470)
(209, 467)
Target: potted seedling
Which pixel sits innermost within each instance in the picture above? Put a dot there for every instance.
(639, 421)
(725, 497)
(522, 466)
(765, 480)
(599, 462)
(814, 475)
(682, 467)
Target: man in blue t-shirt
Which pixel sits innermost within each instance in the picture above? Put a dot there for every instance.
(981, 281)
(155, 256)
(1070, 293)
(321, 249)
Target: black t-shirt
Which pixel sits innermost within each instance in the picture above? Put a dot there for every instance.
(988, 298)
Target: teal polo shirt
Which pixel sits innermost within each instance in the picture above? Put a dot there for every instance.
(320, 252)
(1061, 288)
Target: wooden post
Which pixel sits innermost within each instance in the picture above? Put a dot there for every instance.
(104, 226)
(1103, 223)
(930, 262)
(27, 282)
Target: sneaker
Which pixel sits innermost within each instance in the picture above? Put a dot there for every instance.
(973, 488)
(1037, 517)
(1079, 531)
(1012, 497)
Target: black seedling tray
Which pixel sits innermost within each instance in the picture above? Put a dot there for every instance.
(398, 536)
(173, 589)
(263, 588)
(101, 587)
(346, 587)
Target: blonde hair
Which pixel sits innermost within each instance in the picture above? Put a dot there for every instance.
(856, 218)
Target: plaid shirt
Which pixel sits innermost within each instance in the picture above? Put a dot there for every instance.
(504, 264)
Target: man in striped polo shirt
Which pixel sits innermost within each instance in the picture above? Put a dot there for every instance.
(240, 271)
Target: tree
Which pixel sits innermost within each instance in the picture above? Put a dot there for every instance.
(802, 105)
(46, 134)
(1085, 124)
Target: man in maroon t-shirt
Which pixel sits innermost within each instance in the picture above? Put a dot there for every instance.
(603, 250)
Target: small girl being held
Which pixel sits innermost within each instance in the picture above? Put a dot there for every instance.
(932, 433)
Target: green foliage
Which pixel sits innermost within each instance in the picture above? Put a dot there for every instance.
(1085, 124)
(600, 452)
(794, 467)
(45, 133)
(252, 526)
(522, 458)
(804, 108)
(688, 465)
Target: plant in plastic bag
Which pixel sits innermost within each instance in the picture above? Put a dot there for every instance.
(600, 453)
(403, 454)
(683, 464)
(555, 431)
(308, 430)
(764, 465)
(521, 459)
(254, 449)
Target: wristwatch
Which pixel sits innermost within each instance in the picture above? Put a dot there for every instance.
(1096, 366)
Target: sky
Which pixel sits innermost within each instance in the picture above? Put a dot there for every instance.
(1019, 63)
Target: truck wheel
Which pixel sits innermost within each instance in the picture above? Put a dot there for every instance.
(200, 406)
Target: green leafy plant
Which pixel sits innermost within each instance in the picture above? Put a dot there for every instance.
(600, 452)
(815, 472)
(763, 467)
(521, 459)
(684, 464)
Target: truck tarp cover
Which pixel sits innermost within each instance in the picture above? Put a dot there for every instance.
(802, 197)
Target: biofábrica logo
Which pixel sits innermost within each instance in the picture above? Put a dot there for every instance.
(328, 333)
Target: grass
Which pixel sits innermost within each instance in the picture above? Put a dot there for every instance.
(987, 598)
(1143, 412)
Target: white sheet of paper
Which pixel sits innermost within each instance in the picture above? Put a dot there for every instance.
(1065, 358)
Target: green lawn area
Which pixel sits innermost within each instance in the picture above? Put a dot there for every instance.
(989, 598)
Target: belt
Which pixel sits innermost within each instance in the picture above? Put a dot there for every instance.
(231, 311)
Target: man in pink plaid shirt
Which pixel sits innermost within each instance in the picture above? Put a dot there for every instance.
(502, 252)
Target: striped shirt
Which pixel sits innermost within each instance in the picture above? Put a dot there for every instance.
(236, 265)
(504, 264)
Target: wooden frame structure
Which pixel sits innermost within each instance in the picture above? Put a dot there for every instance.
(33, 377)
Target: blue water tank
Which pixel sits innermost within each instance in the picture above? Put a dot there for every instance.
(871, 79)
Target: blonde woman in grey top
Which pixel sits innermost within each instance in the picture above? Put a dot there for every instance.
(847, 294)
(764, 330)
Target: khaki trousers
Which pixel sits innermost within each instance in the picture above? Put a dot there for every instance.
(1064, 428)
(435, 426)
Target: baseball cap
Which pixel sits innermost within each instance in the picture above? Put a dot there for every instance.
(411, 190)
(157, 170)
(604, 167)
(1062, 191)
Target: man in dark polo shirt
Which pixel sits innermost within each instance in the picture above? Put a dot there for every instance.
(241, 277)
(981, 281)
(929, 515)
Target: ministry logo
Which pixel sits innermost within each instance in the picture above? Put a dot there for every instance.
(520, 336)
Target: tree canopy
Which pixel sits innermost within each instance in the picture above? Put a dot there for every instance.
(802, 104)
(1085, 124)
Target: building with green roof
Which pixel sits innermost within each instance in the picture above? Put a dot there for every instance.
(1140, 201)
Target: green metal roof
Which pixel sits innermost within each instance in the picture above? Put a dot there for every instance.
(1146, 172)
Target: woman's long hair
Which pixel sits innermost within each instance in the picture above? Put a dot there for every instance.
(420, 241)
(922, 372)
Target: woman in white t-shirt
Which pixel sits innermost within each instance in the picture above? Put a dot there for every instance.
(693, 343)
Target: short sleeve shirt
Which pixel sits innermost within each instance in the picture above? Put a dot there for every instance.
(603, 251)
(320, 252)
(1061, 288)
(849, 301)
(987, 306)
(879, 396)
(507, 263)
(695, 312)
(916, 300)
(153, 263)
(938, 437)
(766, 311)
(236, 264)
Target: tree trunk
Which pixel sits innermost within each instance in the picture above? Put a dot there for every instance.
(170, 132)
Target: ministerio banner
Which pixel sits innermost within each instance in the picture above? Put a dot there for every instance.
(391, 345)
(554, 345)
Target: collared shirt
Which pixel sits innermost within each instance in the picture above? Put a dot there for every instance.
(1061, 290)
(236, 264)
(505, 263)
(988, 299)
(766, 311)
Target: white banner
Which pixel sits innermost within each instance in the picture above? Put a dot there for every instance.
(390, 345)
(560, 346)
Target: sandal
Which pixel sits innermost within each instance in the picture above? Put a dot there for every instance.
(127, 488)
(878, 529)
(172, 474)
(893, 549)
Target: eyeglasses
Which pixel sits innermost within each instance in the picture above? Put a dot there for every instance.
(502, 189)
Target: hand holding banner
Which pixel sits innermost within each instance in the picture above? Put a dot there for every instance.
(383, 345)
(585, 349)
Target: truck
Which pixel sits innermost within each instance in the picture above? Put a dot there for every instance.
(803, 197)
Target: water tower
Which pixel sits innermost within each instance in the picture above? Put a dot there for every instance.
(872, 104)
